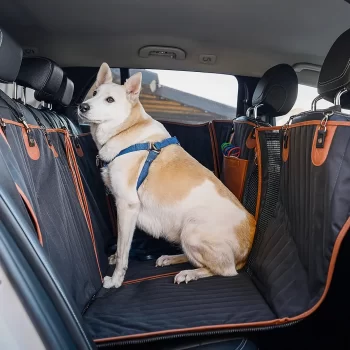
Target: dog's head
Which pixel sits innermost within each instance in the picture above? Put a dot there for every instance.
(110, 102)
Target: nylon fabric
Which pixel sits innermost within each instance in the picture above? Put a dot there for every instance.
(66, 238)
(293, 257)
(96, 198)
(287, 271)
(164, 306)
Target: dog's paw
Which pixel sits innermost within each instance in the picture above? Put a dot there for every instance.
(112, 260)
(110, 282)
(164, 260)
(186, 276)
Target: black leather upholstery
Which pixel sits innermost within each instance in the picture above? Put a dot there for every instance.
(40, 74)
(10, 58)
(277, 90)
(63, 96)
(335, 72)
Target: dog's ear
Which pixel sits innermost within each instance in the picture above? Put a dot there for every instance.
(133, 87)
(104, 75)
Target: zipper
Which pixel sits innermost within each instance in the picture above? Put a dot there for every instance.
(196, 334)
(93, 298)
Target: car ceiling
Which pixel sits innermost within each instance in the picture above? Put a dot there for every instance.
(247, 36)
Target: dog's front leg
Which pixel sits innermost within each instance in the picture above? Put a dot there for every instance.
(127, 217)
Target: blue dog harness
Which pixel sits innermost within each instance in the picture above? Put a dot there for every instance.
(154, 150)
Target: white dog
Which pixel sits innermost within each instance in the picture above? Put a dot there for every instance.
(177, 198)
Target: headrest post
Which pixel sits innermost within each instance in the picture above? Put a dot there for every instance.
(314, 102)
(247, 113)
(256, 110)
(24, 97)
(338, 96)
(14, 93)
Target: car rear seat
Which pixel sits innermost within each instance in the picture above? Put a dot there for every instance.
(292, 264)
(274, 95)
(83, 145)
(197, 140)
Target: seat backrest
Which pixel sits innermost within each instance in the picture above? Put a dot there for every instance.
(293, 260)
(275, 93)
(197, 140)
(101, 207)
(55, 192)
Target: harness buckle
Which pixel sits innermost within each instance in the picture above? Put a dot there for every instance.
(153, 147)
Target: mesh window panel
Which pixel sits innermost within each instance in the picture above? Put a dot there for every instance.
(271, 163)
(251, 189)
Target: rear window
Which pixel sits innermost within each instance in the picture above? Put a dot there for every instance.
(189, 97)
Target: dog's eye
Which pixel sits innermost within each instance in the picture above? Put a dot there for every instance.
(110, 99)
(94, 93)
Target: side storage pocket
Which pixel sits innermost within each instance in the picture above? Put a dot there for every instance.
(234, 175)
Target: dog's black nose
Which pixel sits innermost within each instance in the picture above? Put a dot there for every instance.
(84, 107)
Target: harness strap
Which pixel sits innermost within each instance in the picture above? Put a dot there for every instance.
(154, 150)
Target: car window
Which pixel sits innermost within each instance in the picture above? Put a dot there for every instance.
(306, 94)
(190, 97)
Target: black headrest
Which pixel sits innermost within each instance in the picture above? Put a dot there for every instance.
(40, 74)
(335, 71)
(10, 58)
(63, 96)
(277, 90)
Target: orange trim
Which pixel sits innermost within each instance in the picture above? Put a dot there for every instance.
(244, 122)
(263, 128)
(72, 162)
(79, 150)
(319, 155)
(3, 135)
(258, 158)
(31, 213)
(310, 122)
(285, 150)
(84, 134)
(33, 152)
(277, 321)
(8, 121)
(150, 278)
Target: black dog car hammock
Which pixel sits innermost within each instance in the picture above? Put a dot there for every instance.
(301, 225)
